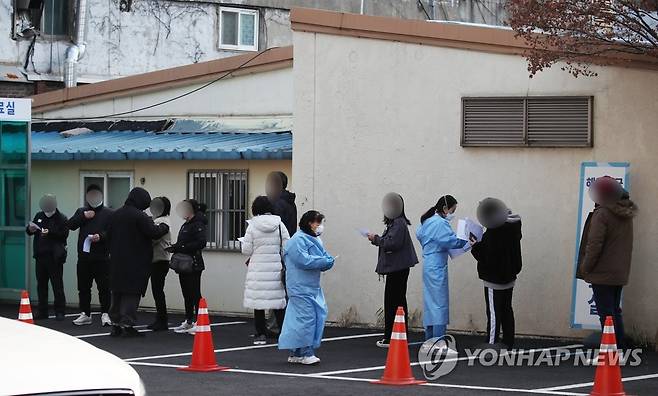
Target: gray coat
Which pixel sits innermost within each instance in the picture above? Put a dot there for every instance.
(396, 249)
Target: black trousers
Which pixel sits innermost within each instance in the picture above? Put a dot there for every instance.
(608, 303)
(47, 270)
(499, 315)
(123, 309)
(159, 271)
(395, 295)
(88, 272)
(261, 322)
(190, 285)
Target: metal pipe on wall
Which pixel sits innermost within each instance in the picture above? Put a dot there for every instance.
(76, 51)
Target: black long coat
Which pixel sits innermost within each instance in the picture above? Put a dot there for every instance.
(130, 233)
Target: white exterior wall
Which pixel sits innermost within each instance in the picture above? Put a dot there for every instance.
(252, 96)
(376, 116)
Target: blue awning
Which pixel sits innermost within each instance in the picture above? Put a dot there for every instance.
(168, 145)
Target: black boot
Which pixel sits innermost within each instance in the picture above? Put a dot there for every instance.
(130, 332)
(159, 325)
(117, 331)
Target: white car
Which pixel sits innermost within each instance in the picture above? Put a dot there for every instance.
(37, 361)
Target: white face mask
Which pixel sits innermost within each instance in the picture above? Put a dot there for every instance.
(319, 230)
(450, 216)
(49, 214)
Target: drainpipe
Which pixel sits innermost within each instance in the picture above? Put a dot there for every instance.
(362, 4)
(432, 9)
(76, 51)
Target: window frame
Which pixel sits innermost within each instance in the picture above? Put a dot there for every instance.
(239, 12)
(70, 25)
(526, 144)
(105, 175)
(220, 244)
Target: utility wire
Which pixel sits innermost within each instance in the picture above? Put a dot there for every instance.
(228, 73)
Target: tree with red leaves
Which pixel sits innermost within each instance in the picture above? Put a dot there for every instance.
(584, 32)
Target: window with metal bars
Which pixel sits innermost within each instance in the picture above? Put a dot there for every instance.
(539, 121)
(225, 193)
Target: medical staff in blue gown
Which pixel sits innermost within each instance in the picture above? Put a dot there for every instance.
(305, 259)
(436, 238)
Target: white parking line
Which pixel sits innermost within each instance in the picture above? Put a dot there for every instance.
(73, 315)
(515, 352)
(335, 378)
(586, 384)
(147, 330)
(244, 348)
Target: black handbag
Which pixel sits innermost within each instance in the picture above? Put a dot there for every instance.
(182, 263)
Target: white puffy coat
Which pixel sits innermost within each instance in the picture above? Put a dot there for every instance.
(263, 287)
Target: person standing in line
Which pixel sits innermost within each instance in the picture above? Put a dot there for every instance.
(283, 205)
(130, 234)
(498, 258)
(606, 247)
(396, 256)
(437, 238)
(306, 259)
(93, 260)
(160, 209)
(192, 239)
(263, 242)
(283, 201)
(50, 233)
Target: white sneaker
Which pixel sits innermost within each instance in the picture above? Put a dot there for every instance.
(310, 360)
(294, 359)
(192, 330)
(82, 320)
(184, 327)
(105, 320)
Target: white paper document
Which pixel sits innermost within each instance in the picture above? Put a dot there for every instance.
(466, 227)
(363, 231)
(454, 253)
(34, 225)
(86, 245)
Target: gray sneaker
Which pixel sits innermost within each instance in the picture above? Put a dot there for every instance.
(260, 340)
(82, 320)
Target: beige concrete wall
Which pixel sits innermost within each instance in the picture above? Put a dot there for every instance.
(222, 282)
(376, 116)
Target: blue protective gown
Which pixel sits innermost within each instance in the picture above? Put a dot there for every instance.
(436, 237)
(305, 259)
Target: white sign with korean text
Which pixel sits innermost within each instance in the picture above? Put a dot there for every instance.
(583, 308)
(14, 109)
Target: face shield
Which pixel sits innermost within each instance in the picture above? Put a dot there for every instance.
(392, 206)
(48, 204)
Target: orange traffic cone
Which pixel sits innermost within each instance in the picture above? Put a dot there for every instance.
(607, 381)
(398, 366)
(203, 352)
(25, 310)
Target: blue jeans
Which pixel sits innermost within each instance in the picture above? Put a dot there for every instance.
(436, 331)
(302, 352)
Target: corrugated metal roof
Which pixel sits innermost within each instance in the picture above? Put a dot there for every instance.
(144, 145)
